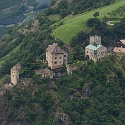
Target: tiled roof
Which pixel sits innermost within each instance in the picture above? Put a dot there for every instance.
(43, 71)
(93, 47)
(119, 49)
(123, 41)
(54, 48)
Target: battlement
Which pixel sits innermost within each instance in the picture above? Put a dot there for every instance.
(95, 39)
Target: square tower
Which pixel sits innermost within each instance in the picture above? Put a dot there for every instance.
(15, 74)
(95, 39)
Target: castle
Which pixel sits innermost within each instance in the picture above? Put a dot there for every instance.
(95, 51)
(57, 57)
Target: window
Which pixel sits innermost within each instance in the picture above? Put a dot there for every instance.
(55, 57)
(60, 57)
(64, 55)
(60, 62)
(55, 62)
(87, 51)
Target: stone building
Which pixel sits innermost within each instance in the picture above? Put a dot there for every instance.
(45, 73)
(15, 74)
(95, 50)
(55, 56)
(95, 39)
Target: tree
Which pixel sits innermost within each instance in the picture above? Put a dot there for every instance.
(96, 14)
(93, 22)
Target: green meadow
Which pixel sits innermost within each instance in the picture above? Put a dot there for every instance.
(54, 17)
(74, 24)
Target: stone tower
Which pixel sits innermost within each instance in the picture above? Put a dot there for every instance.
(95, 39)
(15, 74)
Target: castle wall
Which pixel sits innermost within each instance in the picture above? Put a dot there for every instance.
(49, 59)
(101, 52)
(96, 54)
(65, 58)
(57, 60)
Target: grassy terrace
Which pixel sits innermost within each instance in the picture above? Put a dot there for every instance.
(72, 25)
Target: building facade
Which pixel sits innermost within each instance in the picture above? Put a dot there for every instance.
(55, 56)
(15, 74)
(95, 51)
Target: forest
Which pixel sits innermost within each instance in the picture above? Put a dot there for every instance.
(65, 8)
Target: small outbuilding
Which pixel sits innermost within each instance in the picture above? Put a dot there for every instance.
(45, 73)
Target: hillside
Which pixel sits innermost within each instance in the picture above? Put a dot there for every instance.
(74, 24)
(92, 95)
(16, 11)
(95, 92)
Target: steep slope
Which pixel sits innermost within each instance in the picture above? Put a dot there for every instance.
(16, 11)
(74, 24)
(92, 95)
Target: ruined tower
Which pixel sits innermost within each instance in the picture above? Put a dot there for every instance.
(15, 74)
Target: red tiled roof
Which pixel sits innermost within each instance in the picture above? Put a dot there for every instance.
(123, 41)
(119, 49)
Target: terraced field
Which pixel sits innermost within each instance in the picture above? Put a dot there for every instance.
(72, 25)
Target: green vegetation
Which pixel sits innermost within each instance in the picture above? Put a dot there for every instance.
(75, 24)
(8, 3)
(67, 7)
(15, 11)
(55, 17)
(31, 16)
(118, 13)
(94, 94)
(90, 96)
